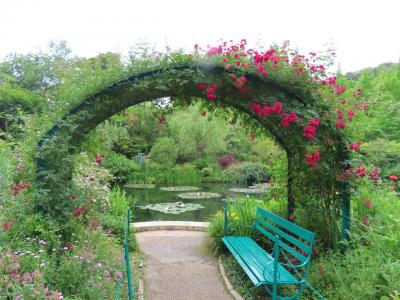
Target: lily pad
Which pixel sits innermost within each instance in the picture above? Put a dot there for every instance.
(254, 189)
(179, 188)
(173, 208)
(199, 195)
(140, 186)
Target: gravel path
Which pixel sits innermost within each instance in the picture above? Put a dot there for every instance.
(178, 267)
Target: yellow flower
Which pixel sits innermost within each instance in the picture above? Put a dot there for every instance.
(219, 214)
(234, 216)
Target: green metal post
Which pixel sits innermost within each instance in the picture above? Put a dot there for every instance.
(128, 271)
(127, 262)
(345, 195)
(128, 221)
(225, 216)
(275, 275)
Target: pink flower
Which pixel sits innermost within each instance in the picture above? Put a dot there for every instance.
(256, 108)
(288, 119)
(309, 132)
(99, 158)
(374, 174)
(6, 225)
(313, 158)
(201, 86)
(228, 67)
(117, 275)
(365, 221)
(355, 147)
(107, 275)
(367, 203)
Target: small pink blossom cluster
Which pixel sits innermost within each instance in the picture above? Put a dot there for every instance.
(311, 128)
(19, 188)
(209, 89)
(313, 158)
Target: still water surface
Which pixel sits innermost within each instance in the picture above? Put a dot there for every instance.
(143, 197)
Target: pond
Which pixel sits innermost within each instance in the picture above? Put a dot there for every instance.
(157, 203)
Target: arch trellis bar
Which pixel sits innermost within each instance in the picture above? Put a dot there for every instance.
(54, 166)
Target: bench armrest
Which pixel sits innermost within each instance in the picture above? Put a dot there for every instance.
(297, 266)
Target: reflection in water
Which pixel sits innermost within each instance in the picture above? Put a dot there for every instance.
(144, 197)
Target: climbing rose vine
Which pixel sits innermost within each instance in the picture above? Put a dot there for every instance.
(237, 58)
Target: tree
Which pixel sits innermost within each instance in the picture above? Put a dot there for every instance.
(197, 136)
(164, 152)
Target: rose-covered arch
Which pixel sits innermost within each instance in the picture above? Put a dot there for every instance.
(289, 106)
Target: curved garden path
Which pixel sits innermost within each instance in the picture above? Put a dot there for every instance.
(178, 267)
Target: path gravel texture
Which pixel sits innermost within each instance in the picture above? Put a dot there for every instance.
(179, 268)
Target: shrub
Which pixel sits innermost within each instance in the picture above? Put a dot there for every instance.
(164, 152)
(248, 172)
(384, 153)
(206, 172)
(200, 164)
(119, 203)
(119, 166)
(226, 160)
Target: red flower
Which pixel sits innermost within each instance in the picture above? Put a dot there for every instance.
(256, 108)
(393, 177)
(309, 132)
(99, 158)
(311, 128)
(313, 158)
(288, 119)
(276, 108)
(6, 225)
(19, 187)
(340, 89)
(69, 245)
(314, 122)
(355, 147)
(340, 124)
(79, 211)
(374, 174)
(202, 86)
(228, 67)
(366, 221)
(161, 120)
(367, 203)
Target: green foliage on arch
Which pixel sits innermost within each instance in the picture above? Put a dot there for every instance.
(185, 78)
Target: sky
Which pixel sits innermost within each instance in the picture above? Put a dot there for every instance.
(365, 33)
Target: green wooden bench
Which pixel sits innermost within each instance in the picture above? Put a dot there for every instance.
(287, 264)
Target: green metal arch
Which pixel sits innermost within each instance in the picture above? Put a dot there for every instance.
(93, 110)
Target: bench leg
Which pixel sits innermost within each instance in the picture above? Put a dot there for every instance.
(274, 292)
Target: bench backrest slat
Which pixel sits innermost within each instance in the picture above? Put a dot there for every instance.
(299, 231)
(290, 250)
(291, 239)
(291, 235)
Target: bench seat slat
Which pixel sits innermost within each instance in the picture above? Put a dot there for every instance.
(253, 259)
